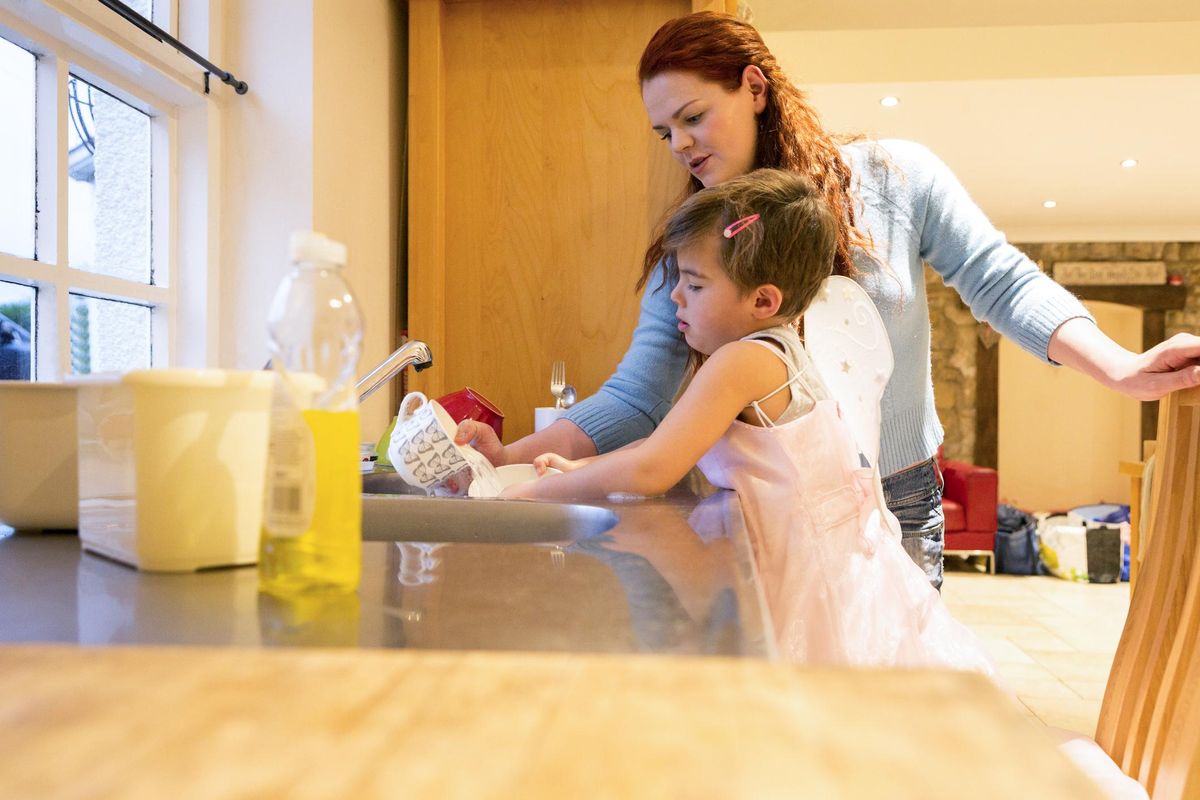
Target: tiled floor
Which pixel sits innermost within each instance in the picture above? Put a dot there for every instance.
(1052, 640)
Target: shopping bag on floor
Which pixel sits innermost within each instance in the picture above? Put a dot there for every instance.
(1064, 547)
(1016, 542)
(1107, 540)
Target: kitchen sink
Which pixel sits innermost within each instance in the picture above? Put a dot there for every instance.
(394, 511)
(388, 483)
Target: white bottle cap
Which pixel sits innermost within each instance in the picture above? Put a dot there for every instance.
(310, 246)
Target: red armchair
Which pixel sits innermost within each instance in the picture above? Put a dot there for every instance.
(969, 499)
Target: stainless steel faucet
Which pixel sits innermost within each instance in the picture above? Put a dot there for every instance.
(412, 353)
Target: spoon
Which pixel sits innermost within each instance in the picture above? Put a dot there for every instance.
(568, 396)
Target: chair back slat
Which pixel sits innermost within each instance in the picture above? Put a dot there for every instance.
(1170, 731)
(1177, 773)
(1174, 767)
(1150, 718)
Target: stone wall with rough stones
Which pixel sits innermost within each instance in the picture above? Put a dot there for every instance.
(954, 332)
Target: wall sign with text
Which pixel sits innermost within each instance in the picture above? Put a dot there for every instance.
(1110, 273)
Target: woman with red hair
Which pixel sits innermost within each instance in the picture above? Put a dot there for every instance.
(717, 98)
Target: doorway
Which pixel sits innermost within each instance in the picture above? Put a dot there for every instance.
(1061, 434)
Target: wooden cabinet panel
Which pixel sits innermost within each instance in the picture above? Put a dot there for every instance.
(535, 183)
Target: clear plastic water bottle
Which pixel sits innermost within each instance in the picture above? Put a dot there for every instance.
(312, 523)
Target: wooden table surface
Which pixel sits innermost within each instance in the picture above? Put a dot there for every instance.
(194, 722)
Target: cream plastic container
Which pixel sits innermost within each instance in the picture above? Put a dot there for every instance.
(172, 465)
(39, 479)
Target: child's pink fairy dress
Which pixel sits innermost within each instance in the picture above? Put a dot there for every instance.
(839, 586)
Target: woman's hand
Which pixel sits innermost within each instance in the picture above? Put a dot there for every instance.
(546, 460)
(1164, 368)
(484, 439)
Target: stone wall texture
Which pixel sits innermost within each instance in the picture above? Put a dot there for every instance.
(954, 332)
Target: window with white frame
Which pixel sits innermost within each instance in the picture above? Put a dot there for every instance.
(88, 191)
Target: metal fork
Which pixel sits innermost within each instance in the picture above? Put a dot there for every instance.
(558, 379)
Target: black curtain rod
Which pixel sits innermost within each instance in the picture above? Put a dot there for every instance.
(149, 28)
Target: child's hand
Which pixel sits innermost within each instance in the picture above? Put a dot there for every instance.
(557, 462)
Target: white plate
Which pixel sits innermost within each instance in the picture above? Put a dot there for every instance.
(512, 474)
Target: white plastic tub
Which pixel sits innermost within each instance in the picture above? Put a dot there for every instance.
(171, 466)
(39, 480)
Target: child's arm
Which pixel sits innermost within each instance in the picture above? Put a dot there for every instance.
(730, 379)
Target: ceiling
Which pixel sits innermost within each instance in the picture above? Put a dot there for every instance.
(1027, 102)
(788, 15)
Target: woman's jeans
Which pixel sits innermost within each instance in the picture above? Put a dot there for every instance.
(914, 495)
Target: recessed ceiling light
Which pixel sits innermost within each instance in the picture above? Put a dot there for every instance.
(1049, 204)
(1129, 163)
(889, 102)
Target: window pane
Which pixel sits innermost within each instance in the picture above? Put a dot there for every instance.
(143, 7)
(108, 336)
(16, 328)
(108, 199)
(17, 162)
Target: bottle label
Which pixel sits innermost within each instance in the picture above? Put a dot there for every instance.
(291, 473)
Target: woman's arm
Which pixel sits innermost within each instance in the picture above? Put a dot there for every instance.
(1003, 287)
(996, 280)
(1164, 368)
(638, 395)
(626, 408)
(567, 464)
(562, 437)
(733, 376)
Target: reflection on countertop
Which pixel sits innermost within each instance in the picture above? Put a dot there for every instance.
(675, 575)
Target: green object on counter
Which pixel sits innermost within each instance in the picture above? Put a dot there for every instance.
(381, 448)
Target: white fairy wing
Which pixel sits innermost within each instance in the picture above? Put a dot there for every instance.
(849, 346)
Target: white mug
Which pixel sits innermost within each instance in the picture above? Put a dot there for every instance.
(545, 416)
(422, 448)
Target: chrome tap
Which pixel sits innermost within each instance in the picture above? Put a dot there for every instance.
(412, 353)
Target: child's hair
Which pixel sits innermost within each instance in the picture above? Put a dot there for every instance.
(792, 244)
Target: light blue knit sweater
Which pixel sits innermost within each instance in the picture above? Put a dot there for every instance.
(916, 212)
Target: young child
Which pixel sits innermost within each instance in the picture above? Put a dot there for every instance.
(750, 255)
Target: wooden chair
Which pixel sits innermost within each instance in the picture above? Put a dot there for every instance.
(1150, 718)
(1136, 470)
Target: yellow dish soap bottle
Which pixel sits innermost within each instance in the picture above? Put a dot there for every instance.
(312, 524)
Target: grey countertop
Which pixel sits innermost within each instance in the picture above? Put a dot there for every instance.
(675, 575)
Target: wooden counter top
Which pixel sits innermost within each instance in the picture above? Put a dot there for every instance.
(197, 722)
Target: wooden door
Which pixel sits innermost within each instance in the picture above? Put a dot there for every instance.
(534, 185)
(1061, 434)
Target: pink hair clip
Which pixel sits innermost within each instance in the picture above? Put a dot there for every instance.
(734, 228)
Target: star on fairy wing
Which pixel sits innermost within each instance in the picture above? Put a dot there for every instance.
(849, 346)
